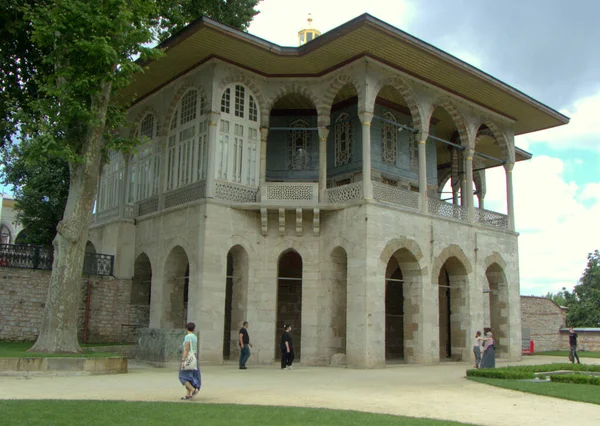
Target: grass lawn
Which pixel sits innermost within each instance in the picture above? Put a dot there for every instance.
(161, 413)
(19, 350)
(573, 392)
(565, 354)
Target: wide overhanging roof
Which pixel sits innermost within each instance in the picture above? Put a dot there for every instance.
(363, 36)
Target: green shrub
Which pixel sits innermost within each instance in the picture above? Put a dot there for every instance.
(500, 373)
(580, 379)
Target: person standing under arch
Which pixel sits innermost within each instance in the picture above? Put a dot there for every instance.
(287, 348)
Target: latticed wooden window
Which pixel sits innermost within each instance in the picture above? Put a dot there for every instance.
(144, 168)
(187, 141)
(225, 101)
(389, 139)
(299, 141)
(111, 182)
(343, 139)
(238, 144)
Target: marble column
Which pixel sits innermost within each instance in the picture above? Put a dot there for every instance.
(510, 207)
(323, 134)
(423, 201)
(366, 118)
(469, 152)
(213, 121)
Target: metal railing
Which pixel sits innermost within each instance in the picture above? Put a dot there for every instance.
(28, 256)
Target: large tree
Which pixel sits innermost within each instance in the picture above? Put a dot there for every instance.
(62, 61)
(584, 301)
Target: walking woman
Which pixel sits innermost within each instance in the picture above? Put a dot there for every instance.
(477, 348)
(190, 378)
(287, 348)
(488, 357)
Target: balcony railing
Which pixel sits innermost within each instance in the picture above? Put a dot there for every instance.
(291, 192)
(444, 209)
(344, 193)
(38, 257)
(489, 217)
(395, 195)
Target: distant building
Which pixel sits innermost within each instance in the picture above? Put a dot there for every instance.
(10, 228)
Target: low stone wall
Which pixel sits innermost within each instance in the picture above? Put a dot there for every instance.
(588, 339)
(62, 366)
(23, 294)
(161, 347)
(543, 318)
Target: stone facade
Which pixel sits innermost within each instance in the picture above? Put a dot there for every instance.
(542, 319)
(23, 295)
(10, 228)
(588, 339)
(318, 200)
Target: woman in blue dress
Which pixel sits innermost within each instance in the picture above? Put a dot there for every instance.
(488, 357)
(190, 378)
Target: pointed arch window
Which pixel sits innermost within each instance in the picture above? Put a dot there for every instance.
(5, 236)
(343, 139)
(389, 139)
(144, 168)
(299, 144)
(187, 143)
(238, 144)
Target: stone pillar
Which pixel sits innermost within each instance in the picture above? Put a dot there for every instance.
(366, 118)
(469, 152)
(510, 207)
(125, 188)
(213, 121)
(422, 138)
(323, 134)
(264, 133)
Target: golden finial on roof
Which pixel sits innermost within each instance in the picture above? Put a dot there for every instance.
(309, 33)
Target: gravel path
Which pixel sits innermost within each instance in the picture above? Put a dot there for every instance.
(438, 391)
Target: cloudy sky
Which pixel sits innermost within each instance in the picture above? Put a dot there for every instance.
(545, 48)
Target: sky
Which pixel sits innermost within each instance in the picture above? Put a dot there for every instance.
(548, 50)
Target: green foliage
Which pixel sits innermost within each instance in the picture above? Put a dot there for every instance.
(558, 298)
(62, 63)
(522, 372)
(580, 379)
(41, 186)
(584, 301)
(19, 350)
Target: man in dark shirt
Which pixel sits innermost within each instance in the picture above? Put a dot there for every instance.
(245, 345)
(573, 344)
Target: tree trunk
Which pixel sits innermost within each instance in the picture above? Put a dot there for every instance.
(58, 333)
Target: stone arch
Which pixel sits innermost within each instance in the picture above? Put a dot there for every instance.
(408, 95)
(176, 273)
(236, 298)
(411, 246)
(21, 237)
(450, 274)
(164, 127)
(401, 260)
(290, 274)
(308, 256)
(5, 233)
(141, 289)
(496, 304)
(254, 90)
(451, 108)
(342, 242)
(336, 85)
(494, 131)
(300, 89)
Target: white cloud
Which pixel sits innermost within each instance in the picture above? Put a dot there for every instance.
(556, 219)
(583, 132)
(280, 20)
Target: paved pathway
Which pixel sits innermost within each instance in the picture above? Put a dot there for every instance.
(439, 391)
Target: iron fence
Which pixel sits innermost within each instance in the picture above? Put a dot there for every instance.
(38, 257)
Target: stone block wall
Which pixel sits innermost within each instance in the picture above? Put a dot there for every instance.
(23, 295)
(587, 339)
(544, 319)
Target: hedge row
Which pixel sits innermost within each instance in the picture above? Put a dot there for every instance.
(580, 379)
(522, 372)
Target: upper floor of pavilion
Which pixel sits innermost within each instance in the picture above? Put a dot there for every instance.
(364, 111)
